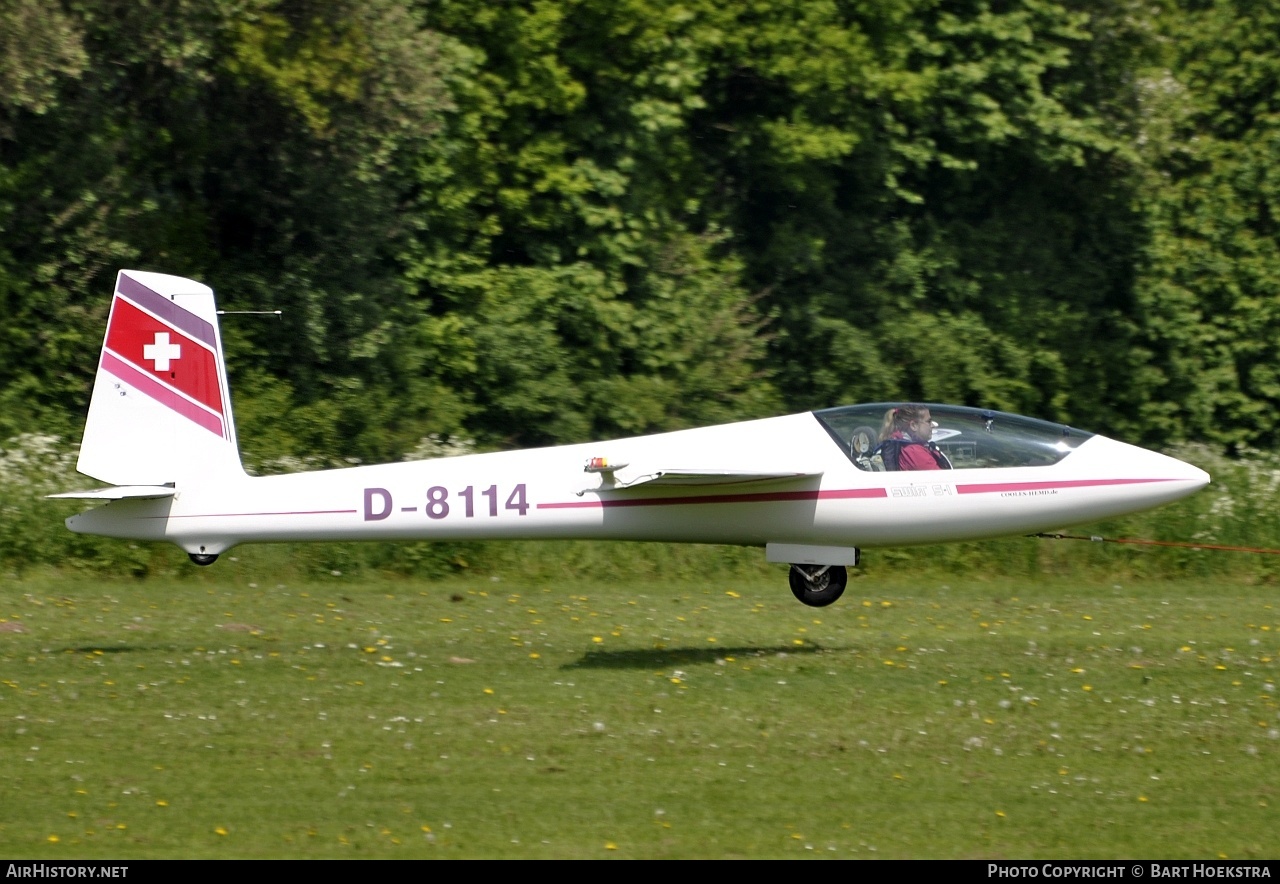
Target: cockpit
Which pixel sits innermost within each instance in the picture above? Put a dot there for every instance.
(971, 438)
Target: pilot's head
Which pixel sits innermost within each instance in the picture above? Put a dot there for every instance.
(912, 421)
(921, 428)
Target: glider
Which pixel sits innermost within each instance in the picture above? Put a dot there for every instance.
(810, 488)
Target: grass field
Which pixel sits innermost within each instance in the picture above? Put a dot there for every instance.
(227, 716)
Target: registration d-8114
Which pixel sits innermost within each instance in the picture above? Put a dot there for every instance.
(440, 503)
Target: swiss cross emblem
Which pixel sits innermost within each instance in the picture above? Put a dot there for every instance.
(162, 352)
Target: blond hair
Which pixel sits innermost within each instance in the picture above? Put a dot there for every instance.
(899, 420)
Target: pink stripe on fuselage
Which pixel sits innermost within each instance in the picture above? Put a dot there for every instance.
(993, 487)
(162, 394)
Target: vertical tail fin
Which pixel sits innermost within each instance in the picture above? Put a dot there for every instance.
(161, 409)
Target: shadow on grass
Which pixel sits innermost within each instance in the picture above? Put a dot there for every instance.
(660, 658)
(112, 649)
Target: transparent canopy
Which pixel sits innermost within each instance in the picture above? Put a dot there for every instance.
(971, 438)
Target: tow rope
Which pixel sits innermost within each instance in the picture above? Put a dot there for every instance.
(1182, 544)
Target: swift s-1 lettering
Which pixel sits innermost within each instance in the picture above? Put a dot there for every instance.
(813, 489)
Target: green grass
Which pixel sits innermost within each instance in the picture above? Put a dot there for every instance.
(229, 715)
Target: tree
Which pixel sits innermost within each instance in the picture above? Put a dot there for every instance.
(1210, 281)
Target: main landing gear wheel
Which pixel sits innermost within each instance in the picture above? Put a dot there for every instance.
(818, 585)
(203, 559)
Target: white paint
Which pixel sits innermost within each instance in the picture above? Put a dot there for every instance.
(162, 352)
(781, 483)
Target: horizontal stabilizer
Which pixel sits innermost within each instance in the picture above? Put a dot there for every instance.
(122, 492)
(707, 478)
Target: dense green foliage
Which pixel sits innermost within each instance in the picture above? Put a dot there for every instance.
(525, 223)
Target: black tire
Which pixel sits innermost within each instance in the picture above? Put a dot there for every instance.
(820, 591)
(204, 560)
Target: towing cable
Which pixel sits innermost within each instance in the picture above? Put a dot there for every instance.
(1175, 543)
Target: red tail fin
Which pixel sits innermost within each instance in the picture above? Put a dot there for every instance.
(161, 410)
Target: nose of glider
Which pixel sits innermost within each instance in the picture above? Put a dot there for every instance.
(1194, 477)
(1183, 479)
(1156, 477)
(1186, 477)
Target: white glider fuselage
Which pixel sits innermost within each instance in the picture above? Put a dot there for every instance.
(812, 488)
(718, 496)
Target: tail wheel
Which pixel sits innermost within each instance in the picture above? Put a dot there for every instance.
(818, 585)
(203, 559)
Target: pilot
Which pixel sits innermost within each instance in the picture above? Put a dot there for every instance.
(906, 440)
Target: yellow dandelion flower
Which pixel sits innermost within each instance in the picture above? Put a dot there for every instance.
(488, 690)
(220, 830)
(53, 839)
(609, 845)
(162, 803)
(597, 639)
